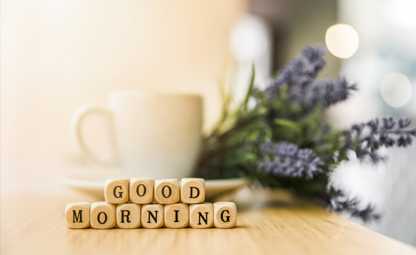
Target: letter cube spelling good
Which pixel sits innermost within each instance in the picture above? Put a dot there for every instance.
(167, 191)
(141, 190)
(116, 191)
(128, 215)
(201, 215)
(192, 190)
(77, 215)
(103, 215)
(152, 216)
(225, 214)
(176, 215)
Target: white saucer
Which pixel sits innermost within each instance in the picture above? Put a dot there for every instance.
(92, 185)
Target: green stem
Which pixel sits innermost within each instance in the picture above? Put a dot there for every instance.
(250, 88)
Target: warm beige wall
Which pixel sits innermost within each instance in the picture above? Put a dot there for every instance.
(60, 54)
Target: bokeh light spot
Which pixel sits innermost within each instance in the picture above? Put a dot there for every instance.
(342, 40)
(396, 89)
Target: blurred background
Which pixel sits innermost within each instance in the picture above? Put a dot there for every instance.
(58, 54)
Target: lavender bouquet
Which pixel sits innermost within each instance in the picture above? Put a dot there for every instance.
(279, 136)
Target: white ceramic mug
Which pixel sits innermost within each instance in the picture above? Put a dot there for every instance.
(154, 135)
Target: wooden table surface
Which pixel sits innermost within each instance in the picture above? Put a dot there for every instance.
(33, 223)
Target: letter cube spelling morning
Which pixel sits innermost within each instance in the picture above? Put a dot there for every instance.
(176, 215)
(128, 215)
(103, 215)
(77, 215)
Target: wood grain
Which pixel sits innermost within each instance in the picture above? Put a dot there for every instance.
(34, 224)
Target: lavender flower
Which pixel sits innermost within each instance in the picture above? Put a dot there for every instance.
(367, 138)
(292, 108)
(300, 75)
(286, 159)
(327, 92)
(340, 202)
(300, 72)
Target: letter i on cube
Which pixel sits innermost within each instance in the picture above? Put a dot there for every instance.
(148, 203)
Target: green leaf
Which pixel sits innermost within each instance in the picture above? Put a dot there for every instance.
(288, 124)
(250, 88)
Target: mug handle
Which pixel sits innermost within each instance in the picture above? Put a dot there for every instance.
(77, 127)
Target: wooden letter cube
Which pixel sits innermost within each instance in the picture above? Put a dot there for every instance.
(77, 215)
(167, 191)
(152, 216)
(116, 191)
(103, 215)
(192, 190)
(176, 216)
(225, 214)
(128, 215)
(201, 215)
(141, 191)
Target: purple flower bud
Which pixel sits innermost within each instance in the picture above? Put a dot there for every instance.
(300, 72)
(385, 132)
(299, 77)
(404, 123)
(340, 202)
(286, 159)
